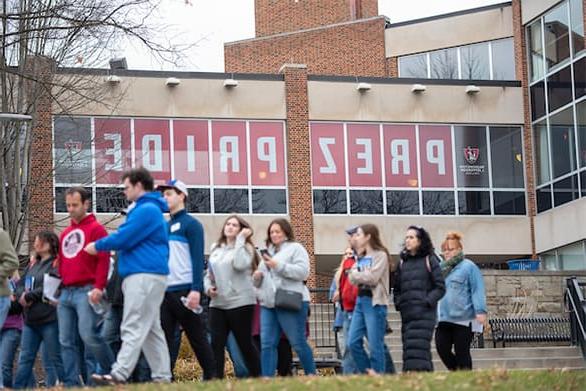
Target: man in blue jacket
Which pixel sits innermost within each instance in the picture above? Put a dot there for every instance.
(143, 257)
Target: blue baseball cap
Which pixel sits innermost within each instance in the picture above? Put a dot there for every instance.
(174, 184)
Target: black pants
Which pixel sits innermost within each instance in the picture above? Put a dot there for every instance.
(239, 322)
(284, 356)
(460, 337)
(173, 312)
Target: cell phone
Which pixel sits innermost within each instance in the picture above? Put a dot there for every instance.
(264, 252)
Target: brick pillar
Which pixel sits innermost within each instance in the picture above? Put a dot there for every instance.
(41, 165)
(298, 160)
(521, 73)
(393, 67)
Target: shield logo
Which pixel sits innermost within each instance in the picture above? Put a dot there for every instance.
(471, 154)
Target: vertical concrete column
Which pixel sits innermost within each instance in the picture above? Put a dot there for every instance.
(298, 160)
(521, 73)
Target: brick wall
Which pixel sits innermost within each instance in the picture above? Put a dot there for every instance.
(298, 166)
(393, 67)
(522, 74)
(279, 16)
(41, 165)
(352, 49)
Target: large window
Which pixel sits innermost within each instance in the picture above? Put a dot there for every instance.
(570, 257)
(397, 169)
(558, 95)
(470, 62)
(228, 166)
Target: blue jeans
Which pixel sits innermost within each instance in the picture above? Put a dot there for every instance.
(10, 341)
(77, 318)
(111, 335)
(348, 364)
(292, 323)
(240, 369)
(368, 321)
(32, 337)
(4, 307)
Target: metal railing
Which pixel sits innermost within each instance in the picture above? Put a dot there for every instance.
(576, 306)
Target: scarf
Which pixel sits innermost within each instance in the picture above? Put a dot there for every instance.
(450, 264)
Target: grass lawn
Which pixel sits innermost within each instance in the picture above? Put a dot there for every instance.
(550, 380)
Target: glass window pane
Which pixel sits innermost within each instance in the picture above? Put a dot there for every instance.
(580, 77)
(557, 42)
(444, 64)
(541, 152)
(506, 149)
(474, 202)
(401, 202)
(438, 203)
(475, 62)
(471, 156)
(583, 183)
(231, 201)
(543, 196)
(559, 89)
(110, 200)
(60, 206)
(269, 201)
(413, 66)
(565, 190)
(502, 53)
(563, 146)
(509, 203)
(198, 201)
(581, 119)
(572, 257)
(73, 155)
(329, 202)
(537, 100)
(549, 261)
(535, 50)
(577, 23)
(366, 202)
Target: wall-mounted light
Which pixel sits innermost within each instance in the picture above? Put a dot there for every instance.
(230, 83)
(418, 88)
(363, 87)
(113, 79)
(472, 89)
(172, 82)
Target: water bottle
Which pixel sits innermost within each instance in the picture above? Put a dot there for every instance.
(198, 310)
(101, 307)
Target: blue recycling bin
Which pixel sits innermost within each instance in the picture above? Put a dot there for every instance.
(524, 264)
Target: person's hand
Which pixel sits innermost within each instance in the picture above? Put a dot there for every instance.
(91, 249)
(213, 292)
(270, 262)
(95, 295)
(193, 299)
(245, 232)
(23, 301)
(481, 318)
(257, 275)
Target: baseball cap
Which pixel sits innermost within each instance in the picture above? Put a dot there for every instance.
(351, 230)
(174, 184)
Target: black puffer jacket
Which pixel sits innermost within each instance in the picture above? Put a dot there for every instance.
(39, 311)
(416, 293)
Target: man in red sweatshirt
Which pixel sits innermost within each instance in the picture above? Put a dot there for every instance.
(83, 281)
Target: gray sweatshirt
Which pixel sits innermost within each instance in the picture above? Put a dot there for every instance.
(292, 269)
(230, 271)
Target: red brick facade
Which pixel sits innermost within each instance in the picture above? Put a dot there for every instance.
(521, 73)
(351, 49)
(281, 16)
(298, 164)
(393, 67)
(41, 165)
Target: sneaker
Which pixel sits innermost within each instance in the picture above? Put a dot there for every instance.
(107, 380)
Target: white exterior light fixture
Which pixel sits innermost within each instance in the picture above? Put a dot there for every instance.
(363, 87)
(172, 82)
(113, 79)
(230, 83)
(418, 88)
(472, 89)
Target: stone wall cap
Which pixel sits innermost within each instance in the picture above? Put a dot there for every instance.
(292, 66)
(537, 273)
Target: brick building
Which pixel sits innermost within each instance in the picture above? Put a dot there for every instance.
(332, 116)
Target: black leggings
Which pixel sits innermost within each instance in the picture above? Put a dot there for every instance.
(284, 355)
(173, 312)
(460, 337)
(239, 322)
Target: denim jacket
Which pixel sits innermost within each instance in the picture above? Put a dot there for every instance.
(465, 296)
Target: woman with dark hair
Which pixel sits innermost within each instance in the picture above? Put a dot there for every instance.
(418, 287)
(285, 298)
(228, 283)
(371, 274)
(40, 317)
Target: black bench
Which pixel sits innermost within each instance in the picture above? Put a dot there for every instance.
(537, 329)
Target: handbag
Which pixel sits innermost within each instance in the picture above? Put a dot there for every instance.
(288, 300)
